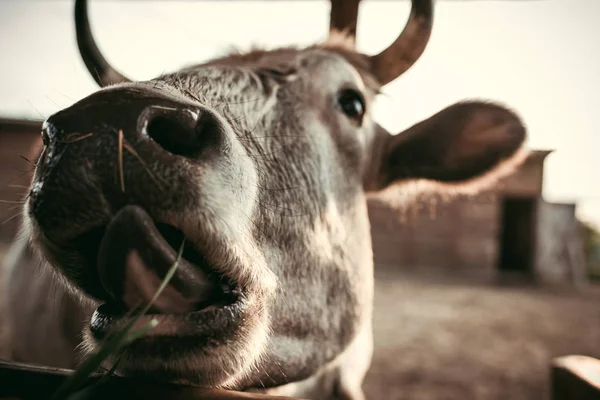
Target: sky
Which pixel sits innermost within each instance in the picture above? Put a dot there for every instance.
(540, 58)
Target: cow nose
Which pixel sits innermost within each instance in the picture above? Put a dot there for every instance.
(121, 146)
(180, 131)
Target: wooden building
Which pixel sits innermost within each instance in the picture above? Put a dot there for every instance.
(19, 143)
(508, 229)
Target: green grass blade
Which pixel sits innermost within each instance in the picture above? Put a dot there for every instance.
(115, 343)
(86, 392)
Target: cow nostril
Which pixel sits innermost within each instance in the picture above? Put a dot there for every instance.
(179, 131)
(173, 135)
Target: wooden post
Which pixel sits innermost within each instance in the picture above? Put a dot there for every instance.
(575, 377)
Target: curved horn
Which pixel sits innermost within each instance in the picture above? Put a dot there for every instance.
(408, 47)
(102, 72)
(344, 14)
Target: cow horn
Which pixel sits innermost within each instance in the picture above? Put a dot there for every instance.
(344, 14)
(102, 72)
(408, 47)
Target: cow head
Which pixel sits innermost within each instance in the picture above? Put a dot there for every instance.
(259, 164)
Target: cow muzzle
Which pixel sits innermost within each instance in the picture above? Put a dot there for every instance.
(119, 173)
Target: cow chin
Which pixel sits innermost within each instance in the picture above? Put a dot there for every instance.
(217, 361)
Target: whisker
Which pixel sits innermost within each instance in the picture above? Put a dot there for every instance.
(28, 160)
(38, 111)
(130, 149)
(236, 119)
(280, 370)
(15, 206)
(77, 139)
(12, 202)
(269, 376)
(120, 161)
(53, 102)
(223, 98)
(25, 171)
(258, 228)
(19, 176)
(193, 96)
(262, 384)
(11, 218)
(248, 132)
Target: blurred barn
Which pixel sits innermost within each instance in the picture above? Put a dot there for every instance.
(509, 231)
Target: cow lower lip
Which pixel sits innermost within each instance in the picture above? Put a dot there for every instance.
(134, 256)
(212, 320)
(204, 299)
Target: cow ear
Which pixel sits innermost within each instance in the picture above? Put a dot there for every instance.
(461, 143)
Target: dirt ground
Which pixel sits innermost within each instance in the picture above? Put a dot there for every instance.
(458, 339)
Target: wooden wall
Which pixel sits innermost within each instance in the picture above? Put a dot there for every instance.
(459, 235)
(559, 245)
(18, 139)
(456, 236)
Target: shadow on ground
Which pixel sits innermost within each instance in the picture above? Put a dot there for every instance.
(448, 339)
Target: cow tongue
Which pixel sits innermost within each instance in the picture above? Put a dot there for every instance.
(133, 260)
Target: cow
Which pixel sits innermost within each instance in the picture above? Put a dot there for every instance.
(255, 167)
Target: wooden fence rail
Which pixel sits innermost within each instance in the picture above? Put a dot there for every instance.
(27, 382)
(573, 377)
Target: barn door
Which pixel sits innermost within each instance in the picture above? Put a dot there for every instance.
(517, 235)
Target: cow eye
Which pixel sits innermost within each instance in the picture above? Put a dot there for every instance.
(352, 104)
